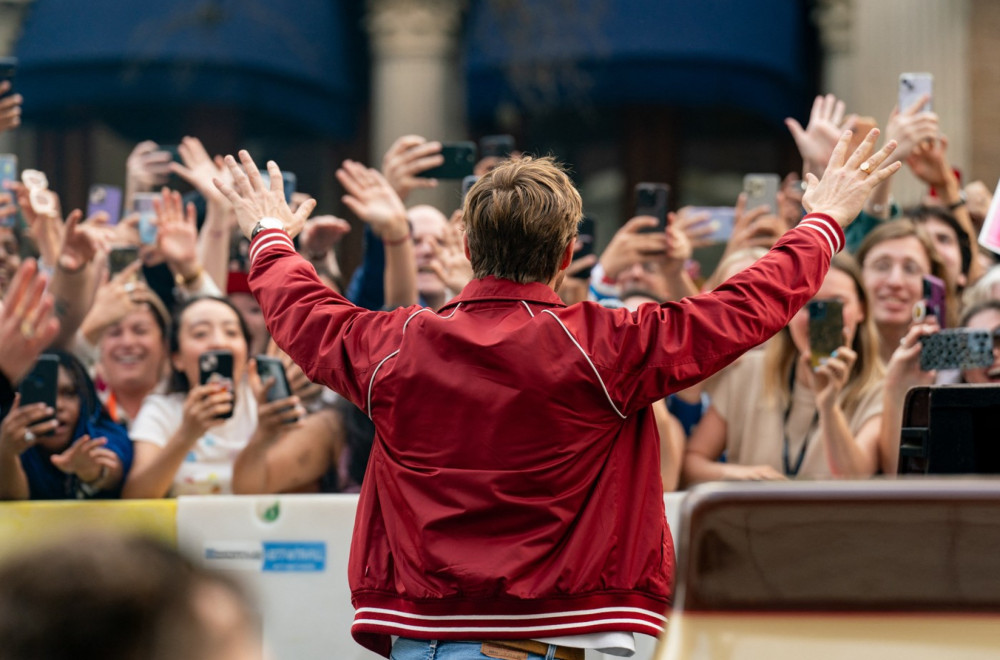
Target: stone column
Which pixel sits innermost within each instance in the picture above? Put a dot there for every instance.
(417, 84)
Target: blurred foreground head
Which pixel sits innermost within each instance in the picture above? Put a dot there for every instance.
(119, 598)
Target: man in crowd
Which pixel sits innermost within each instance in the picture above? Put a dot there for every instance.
(513, 500)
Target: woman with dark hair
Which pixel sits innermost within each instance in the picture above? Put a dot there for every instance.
(79, 454)
(186, 440)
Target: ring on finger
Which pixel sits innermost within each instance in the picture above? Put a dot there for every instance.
(129, 287)
(27, 331)
(866, 167)
(29, 436)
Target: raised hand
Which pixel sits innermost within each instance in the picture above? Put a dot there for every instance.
(177, 232)
(199, 169)
(407, 157)
(849, 178)
(929, 162)
(273, 417)
(449, 262)
(321, 233)
(41, 211)
(147, 166)
(817, 140)
(910, 128)
(27, 325)
(10, 108)
(372, 199)
(82, 241)
(253, 199)
(114, 300)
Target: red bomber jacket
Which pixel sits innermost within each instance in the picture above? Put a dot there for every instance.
(513, 489)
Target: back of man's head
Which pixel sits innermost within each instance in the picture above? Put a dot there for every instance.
(519, 218)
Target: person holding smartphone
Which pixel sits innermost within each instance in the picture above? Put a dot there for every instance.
(186, 440)
(72, 451)
(805, 422)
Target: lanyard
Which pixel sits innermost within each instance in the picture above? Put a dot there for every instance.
(790, 470)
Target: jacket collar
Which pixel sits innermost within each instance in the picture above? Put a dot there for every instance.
(495, 288)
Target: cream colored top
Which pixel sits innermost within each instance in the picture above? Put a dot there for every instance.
(754, 434)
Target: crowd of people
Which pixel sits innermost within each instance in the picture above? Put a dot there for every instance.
(133, 417)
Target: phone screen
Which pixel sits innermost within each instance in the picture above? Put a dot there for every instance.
(41, 385)
(142, 203)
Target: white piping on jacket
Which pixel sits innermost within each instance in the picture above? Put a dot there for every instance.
(589, 361)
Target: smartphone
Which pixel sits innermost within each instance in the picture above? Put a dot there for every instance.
(826, 329)
(103, 197)
(459, 161)
(956, 348)
(8, 67)
(762, 190)
(651, 199)
(272, 367)
(912, 86)
(499, 146)
(41, 385)
(120, 257)
(933, 302)
(586, 236)
(289, 182)
(174, 151)
(142, 203)
(8, 175)
(722, 217)
(217, 367)
(467, 183)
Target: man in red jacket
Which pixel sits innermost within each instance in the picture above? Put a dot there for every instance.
(512, 503)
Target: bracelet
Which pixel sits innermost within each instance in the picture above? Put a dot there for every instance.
(962, 199)
(398, 241)
(87, 489)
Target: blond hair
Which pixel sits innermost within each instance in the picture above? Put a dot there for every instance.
(868, 370)
(519, 219)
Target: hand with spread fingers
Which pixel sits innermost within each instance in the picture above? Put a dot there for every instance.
(115, 299)
(27, 325)
(147, 166)
(177, 233)
(454, 269)
(632, 244)
(82, 242)
(849, 178)
(199, 169)
(253, 198)
(372, 199)
(88, 459)
(818, 139)
(43, 214)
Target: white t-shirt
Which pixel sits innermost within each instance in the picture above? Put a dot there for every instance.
(208, 467)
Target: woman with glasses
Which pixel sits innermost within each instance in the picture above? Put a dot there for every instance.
(894, 259)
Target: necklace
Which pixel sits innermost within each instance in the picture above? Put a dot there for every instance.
(793, 470)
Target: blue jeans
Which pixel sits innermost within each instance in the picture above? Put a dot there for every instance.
(422, 649)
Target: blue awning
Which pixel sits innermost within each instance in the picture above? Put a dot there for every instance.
(538, 54)
(287, 61)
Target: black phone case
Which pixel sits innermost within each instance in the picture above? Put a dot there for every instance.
(652, 199)
(459, 161)
(120, 257)
(41, 385)
(271, 367)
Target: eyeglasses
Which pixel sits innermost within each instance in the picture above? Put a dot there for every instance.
(884, 266)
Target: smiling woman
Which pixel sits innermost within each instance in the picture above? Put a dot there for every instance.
(186, 440)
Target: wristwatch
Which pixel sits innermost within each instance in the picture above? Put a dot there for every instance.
(266, 223)
(962, 199)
